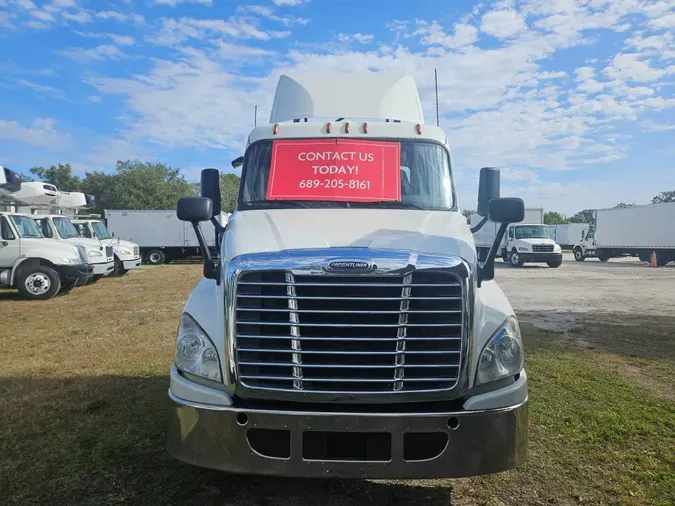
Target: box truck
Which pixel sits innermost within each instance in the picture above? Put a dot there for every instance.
(347, 329)
(568, 234)
(160, 235)
(638, 231)
(529, 241)
(127, 254)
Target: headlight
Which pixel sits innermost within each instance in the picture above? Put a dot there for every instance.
(503, 354)
(557, 249)
(71, 261)
(195, 353)
(126, 252)
(95, 254)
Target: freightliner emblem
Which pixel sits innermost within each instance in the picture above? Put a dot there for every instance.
(349, 265)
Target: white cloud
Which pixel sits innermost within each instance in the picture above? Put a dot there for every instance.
(95, 99)
(37, 25)
(503, 24)
(628, 67)
(120, 40)
(176, 31)
(229, 51)
(40, 133)
(43, 89)
(667, 21)
(6, 20)
(268, 12)
(79, 17)
(42, 16)
(434, 35)
(651, 126)
(173, 3)
(25, 4)
(361, 38)
(288, 3)
(117, 16)
(98, 53)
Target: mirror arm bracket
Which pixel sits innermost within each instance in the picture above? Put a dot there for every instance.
(479, 226)
(209, 268)
(486, 272)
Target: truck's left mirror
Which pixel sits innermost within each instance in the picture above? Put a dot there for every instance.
(506, 210)
(194, 209)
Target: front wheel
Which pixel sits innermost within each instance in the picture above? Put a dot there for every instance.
(515, 259)
(156, 257)
(604, 257)
(118, 269)
(554, 263)
(96, 277)
(39, 282)
(579, 255)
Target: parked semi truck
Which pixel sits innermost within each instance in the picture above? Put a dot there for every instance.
(160, 235)
(529, 241)
(639, 231)
(39, 268)
(127, 254)
(348, 328)
(567, 235)
(60, 228)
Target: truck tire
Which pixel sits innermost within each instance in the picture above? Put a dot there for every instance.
(554, 263)
(579, 255)
(515, 259)
(662, 258)
(38, 282)
(118, 269)
(67, 286)
(645, 257)
(603, 257)
(156, 257)
(96, 277)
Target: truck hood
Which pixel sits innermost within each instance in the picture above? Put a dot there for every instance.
(436, 232)
(537, 241)
(118, 243)
(31, 246)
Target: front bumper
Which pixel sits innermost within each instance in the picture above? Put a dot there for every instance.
(77, 273)
(103, 268)
(229, 439)
(134, 263)
(541, 257)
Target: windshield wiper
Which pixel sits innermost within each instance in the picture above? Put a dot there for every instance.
(275, 203)
(402, 205)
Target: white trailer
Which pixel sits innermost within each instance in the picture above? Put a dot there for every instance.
(569, 234)
(639, 231)
(486, 235)
(160, 235)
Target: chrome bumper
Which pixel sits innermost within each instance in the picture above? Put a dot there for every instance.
(104, 268)
(131, 264)
(221, 437)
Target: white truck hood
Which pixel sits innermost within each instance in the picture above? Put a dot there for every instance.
(439, 232)
(537, 241)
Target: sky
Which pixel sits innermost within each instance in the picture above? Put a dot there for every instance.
(574, 100)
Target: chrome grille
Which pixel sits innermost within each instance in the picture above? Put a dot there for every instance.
(542, 248)
(136, 251)
(108, 251)
(349, 334)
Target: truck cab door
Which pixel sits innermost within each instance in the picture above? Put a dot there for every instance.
(510, 235)
(9, 244)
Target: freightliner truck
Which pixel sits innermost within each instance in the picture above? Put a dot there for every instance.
(348, 328)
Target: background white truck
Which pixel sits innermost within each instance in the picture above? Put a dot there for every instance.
(39, 268)
(160, 235)
(60, 228)
(127, 254)
(529, 241)
(568, 235)
(631, 231)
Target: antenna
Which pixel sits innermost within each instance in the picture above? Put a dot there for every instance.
(255, 117)
(438, 119)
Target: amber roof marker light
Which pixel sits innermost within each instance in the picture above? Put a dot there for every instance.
(329, 127)
(418, 127)
(365, 128)
(275, 128)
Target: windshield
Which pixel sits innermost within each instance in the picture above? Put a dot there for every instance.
(100, 230)
(532, 232)
(65, 228)
(342, 174)
(26, 227)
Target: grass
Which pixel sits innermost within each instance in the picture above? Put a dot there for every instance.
(83, 399)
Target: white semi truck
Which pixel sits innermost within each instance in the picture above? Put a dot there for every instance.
(160, 235)
(60, 228)
(39, 268)
(127, 254)
(529, 241)
(638, 231)
(348, 328)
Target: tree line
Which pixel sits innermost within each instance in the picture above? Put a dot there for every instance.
(588, 215)
(133, 185)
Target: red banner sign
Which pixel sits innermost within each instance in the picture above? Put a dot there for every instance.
(336, 170)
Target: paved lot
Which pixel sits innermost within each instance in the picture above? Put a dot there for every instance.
(558, 298)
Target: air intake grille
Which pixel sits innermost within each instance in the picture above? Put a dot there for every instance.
(136, 251)
(108, 251)
(542, 248)
(374, 334)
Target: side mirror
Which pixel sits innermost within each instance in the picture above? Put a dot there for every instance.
(210, 188)
(194, 209)
(506, 210)
(238, 162)
(488, 189)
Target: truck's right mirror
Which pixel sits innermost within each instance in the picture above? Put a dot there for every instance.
(488, 189)
(210, 188)
(506, 210)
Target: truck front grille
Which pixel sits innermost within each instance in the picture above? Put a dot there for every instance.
(136, 251)
(108, 251)
(349, 334)
(542, 248)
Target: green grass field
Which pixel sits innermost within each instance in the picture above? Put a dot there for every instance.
(83, 396)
